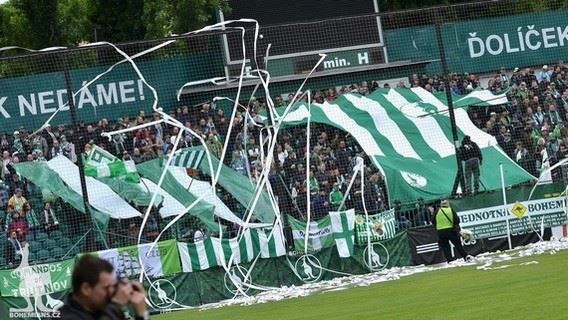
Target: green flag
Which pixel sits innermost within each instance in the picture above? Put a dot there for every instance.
(241, 189)
(382, 226)
(320, 234)
(152, 170)
(48, 180)
(139, 194)
(407, 135)
(342, 224)
(100, 163)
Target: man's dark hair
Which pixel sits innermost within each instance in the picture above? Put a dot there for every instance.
(87, 270)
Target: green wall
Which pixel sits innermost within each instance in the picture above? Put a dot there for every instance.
(482, 45)
(30, 101)
(544, 40)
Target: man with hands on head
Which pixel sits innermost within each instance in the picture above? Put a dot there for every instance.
(98, 295)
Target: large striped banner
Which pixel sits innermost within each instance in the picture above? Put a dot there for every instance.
(407, 135)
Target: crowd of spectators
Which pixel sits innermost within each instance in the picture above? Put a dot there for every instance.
(530, 129)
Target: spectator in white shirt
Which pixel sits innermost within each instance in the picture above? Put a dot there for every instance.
(200, 234)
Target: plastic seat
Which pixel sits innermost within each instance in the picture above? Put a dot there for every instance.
(81, 244)
(77, 238)
(31, 236)
(2, 262)
(65, 243)
(56, 235)
(49, 244)
(74, 251)
(57, 253)
(43, 255)
(64, 229)
(41, 236)
(35, 246)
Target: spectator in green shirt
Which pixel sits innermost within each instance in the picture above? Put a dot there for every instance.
(335, 197)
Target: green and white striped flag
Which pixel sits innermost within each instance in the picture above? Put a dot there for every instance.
(320, 234)
(407, 135)
(188, 158)
(100, 163)
(382, 226)
(211, 252)
(342, 224)
(37, 280)
(158, 261)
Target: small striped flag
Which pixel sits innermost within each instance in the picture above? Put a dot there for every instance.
(211, 252)
(188, 158)
(382, 226)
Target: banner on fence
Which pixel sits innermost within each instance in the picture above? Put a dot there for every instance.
(211, 252)
(157, 260)
(37, 280)
(492, 221)
(382, 226)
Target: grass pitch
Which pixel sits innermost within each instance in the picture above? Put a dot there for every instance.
(532, 291)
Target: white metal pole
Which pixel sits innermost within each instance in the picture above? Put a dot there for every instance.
(566, 202)
(367, 224)
(505, 205)
(355, 171)
(308, 185)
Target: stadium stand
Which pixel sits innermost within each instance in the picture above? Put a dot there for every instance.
(529, 128)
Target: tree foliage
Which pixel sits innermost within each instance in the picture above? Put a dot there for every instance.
(12, 27)
(40, 18)
(164, 17)
(38, 24)
(74, 22)
(116, 21)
